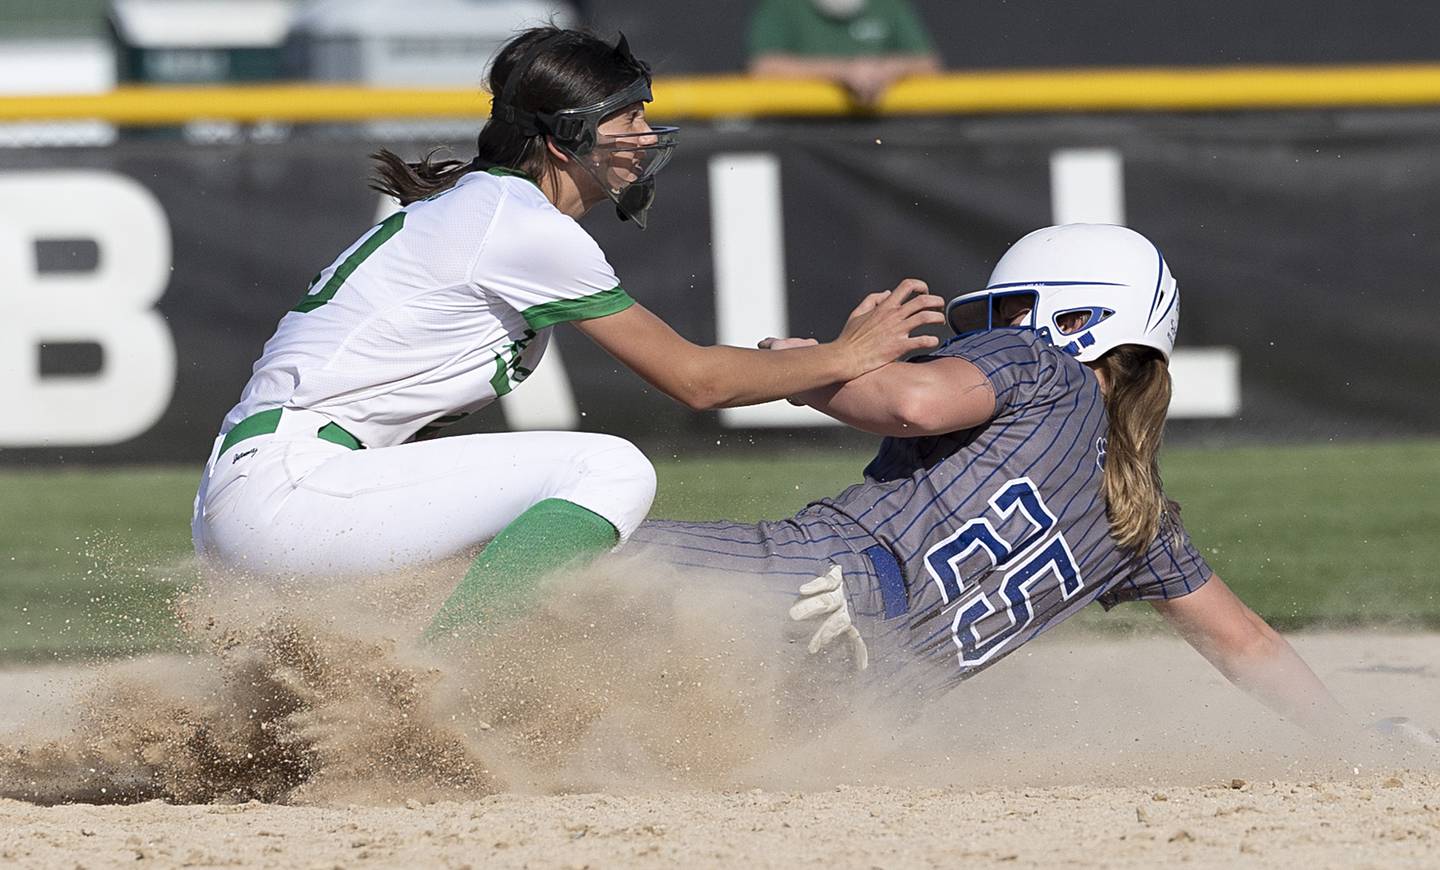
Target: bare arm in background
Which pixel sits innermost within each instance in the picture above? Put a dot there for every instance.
(866, 77)
(1250, 654)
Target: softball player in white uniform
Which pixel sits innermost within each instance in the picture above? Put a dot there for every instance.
(323, 467)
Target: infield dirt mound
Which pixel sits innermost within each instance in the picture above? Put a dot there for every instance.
(631, 680)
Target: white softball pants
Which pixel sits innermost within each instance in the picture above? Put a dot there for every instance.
(291, 504)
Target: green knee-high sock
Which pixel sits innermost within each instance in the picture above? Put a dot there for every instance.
(550, 535)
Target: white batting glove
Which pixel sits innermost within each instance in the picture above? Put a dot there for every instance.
(825, 597)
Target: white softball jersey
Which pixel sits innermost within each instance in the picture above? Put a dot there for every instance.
(429, 316)
(435, 312)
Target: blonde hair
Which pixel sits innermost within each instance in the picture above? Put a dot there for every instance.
(1136, 401)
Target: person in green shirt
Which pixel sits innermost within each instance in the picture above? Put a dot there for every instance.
(865, 45)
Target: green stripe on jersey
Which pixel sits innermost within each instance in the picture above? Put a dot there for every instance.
(387, 228)
(601, 304)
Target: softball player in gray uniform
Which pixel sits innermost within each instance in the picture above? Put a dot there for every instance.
(964, 545)
(1016, 485)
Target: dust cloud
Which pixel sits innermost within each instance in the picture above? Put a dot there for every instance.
(628, 677)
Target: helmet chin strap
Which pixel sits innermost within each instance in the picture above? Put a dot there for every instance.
(634, 202)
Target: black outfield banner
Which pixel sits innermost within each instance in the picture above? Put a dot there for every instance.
(138, 282)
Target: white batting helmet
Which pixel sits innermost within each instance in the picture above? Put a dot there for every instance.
(1109, 284)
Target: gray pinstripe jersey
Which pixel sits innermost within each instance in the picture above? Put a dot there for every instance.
(959, 548)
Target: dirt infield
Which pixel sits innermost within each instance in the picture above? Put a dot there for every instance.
(604, 735)
(1367, 822)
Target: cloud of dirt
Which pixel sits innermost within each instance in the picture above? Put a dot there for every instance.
(624, 677)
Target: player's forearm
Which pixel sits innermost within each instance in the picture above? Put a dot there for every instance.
(893, 400)
(879, 330)
(705, 378)
(1270, 670)
(909, 399)
(1250, 654)
(860, 404)
(727, 377)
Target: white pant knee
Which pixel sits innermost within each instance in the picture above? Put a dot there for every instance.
(611, 477)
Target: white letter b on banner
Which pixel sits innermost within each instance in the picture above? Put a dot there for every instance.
(111, 306)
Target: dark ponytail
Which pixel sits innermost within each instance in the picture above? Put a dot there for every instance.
(567, 69)
(409, 182)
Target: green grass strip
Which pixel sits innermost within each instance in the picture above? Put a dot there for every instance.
(1334, 534)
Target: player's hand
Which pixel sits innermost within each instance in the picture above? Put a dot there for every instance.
(879, 330)
(825, 597)
(1402, 730)
(785, 343)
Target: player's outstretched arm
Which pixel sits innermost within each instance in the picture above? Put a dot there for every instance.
(1250, 654)
(905, 399)
(877, 332)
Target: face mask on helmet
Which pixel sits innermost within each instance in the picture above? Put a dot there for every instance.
(623, 164)
(1087, 288)
(979, 312)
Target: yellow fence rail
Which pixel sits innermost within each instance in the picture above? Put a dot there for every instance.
(711, 97)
